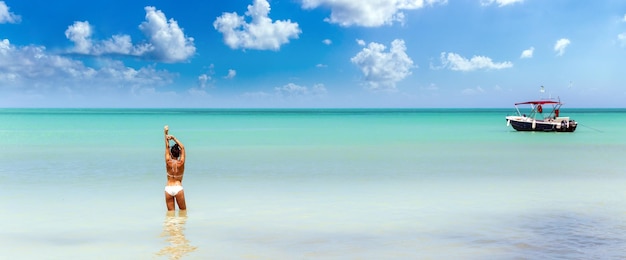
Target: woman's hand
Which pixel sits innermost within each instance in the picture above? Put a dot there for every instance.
(166, 129)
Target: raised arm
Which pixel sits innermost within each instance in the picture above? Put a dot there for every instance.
(182, 149)
(167, 143)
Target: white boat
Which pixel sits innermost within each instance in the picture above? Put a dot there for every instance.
(537, 120)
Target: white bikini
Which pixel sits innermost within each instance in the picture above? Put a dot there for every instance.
(174, 189)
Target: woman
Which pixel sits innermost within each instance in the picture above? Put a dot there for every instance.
(175, 166)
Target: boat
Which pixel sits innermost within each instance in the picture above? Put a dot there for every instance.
(537, 120)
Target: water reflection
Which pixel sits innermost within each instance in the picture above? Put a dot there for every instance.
(173, 231)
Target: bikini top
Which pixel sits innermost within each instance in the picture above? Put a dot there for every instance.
(175, 176)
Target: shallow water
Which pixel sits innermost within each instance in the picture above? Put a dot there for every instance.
(334, 184)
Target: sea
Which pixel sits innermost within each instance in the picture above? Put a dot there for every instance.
(311, 184)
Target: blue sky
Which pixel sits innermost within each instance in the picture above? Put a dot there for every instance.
(311, 53)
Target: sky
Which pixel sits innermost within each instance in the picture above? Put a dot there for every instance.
(311, 53)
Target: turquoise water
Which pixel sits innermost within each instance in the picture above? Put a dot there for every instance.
(309, 184)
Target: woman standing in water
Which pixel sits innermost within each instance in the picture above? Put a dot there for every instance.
(175, 166)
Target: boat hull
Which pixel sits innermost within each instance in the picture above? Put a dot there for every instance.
(543, 126)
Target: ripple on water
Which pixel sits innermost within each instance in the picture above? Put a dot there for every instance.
(571, 236)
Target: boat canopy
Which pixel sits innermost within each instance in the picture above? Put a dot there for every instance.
(539, 102)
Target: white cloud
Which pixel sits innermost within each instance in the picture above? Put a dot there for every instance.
(560, 46)
(32, 68)
(321, 65)
(6, 16)
(382, 70)
(203, 80)
(624, 18)
(290, 91)
(472, 91)
(367, 13)
(257, 95)
(319, 90)
(360, 42)
(455, 61)
(166, 41)
(198, 92)
(119, 44)
(261, 34)
(500, 3)
(528, 53)
(327, 42)
(431, 87)
(293, 90)
(622, 39)
(80, 34)
(231, 74)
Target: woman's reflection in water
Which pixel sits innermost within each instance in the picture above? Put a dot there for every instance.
(173, 228)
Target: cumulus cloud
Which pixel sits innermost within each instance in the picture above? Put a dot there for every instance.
(6, 16)
(500, 3)
(327, 42)
(360, 42)
(32, 67)
(231, 74)
(80, 34)
(382, 70)
(261, 33)
(455, 61)
(560, 45)
(367, 13)
(119, 44)
(166, 40)
(528, 53)
(22, 65)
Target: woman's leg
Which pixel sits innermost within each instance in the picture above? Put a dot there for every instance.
(169, 201)
(180, 199)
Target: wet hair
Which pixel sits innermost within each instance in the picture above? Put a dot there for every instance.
(175, 151)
